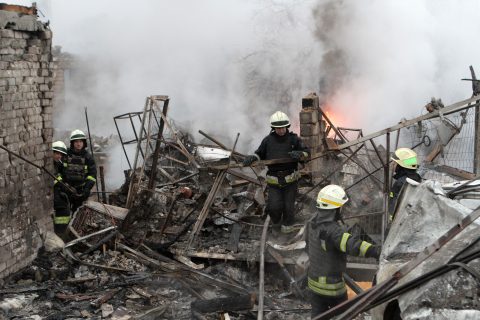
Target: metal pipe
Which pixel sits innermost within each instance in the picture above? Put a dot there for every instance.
(102, 184)
(91, 150)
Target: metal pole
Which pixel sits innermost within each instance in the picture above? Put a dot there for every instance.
(91, 150)
(386, 186)
(102, 183)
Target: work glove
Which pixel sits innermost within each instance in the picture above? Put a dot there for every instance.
(373, 252)
(86, 189)
(249, 160)
(85, 194)
(297, 155)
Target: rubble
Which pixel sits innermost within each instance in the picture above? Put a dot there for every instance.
(186, 235)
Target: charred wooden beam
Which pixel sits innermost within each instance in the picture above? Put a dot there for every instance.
(211, 197)
(236, 303)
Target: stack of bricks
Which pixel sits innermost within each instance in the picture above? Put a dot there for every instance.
(312, 130)
(25, 128)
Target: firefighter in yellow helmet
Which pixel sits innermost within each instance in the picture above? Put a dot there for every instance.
(407, 164)
(80, 170)
(61, 204)
(328, 244)
(281, 178)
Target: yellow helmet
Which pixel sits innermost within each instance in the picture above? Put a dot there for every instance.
(406, 158)
(59, 146)
(331, 197)
(279, 120)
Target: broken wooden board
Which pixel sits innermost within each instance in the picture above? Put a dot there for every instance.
(107, 209)
(331, 144)
(240, 256)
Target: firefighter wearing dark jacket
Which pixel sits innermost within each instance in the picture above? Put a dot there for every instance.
(61, 204)
(328, 244)
(407, 165)
(281, 178)
(79, 169)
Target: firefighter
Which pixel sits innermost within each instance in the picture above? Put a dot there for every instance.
(79, 169)
(281, 178)
(406, 167)
(328, 244)
(61, 204)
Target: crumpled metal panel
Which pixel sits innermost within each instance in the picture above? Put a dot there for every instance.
(424, 214)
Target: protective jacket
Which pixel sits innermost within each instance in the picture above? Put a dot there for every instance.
(401, 174)
(79, 170)
(328, 244)
(274, 146)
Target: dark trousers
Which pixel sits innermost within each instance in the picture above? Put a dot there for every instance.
(281, 203)
(320, 303)
(77, 201)
(61, 205)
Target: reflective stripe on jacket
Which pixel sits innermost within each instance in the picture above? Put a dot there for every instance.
(328, 244)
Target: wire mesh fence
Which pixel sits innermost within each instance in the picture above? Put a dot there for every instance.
(448, 141)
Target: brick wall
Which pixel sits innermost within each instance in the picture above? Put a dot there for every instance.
(25, 128)
(312, 132)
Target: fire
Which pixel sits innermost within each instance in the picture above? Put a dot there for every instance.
(334, 117)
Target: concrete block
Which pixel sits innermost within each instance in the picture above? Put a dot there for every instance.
(45, 35)
(35, 42)
(310, 101)
(7, 51)
(19, 44)
(30, 57)
(310, 129)
(308, 115)
(7, 33)
(18, 34)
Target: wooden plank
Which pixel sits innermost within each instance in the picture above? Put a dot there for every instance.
(107, 209)
(243, 176)
(455, 172)
(331, 144)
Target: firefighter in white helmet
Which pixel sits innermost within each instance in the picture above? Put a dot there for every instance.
(61, 204)
(80, 170)
(281, 178)
(328, 244)
(407, 164)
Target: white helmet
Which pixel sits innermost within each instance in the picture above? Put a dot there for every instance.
(279, 120)
(406, 158)
(59, 146)
(77, 135)
(331, 197)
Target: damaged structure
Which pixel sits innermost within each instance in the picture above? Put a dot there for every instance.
(26, 128)
(186, 235)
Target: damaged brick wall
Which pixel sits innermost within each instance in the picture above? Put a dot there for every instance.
(312, 130)
(25, 128)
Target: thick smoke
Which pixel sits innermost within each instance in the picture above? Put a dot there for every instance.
(383, 60)
(227, 65)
